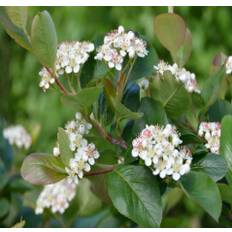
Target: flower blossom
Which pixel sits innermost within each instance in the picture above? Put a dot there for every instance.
(143, 83)
(56, 196)
(69, 59)
(228, 65)
(17, 135)
(46, 79)
(118, 44)
(180, 74)
(84, 153)
(71, 55)
(211, 131)
(160, 149)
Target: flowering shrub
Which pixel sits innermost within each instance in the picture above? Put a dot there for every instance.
(141, 129)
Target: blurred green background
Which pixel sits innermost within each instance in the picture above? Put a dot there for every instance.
(22, 101)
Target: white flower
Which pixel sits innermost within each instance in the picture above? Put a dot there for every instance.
(46, 79)
(229, 65)
(180, 74)
(159, 148)
(143, 83)
(161, 67)
(84, 153)
(71, 55)
(17, 135)
(118, 44)
(56, 151)
(211, 131)
(56, 196)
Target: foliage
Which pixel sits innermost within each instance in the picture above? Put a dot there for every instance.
(120, 191)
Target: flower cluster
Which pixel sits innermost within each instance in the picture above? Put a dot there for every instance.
(84, 153)
(71, 55)
(118, 44)
(17, 135)
(180, 74)
(159, 148)
(56, 196)
(69, 58)
(46, 79)
(211, 131)
(229, 65)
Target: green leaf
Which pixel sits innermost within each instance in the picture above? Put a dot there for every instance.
(87, 202)
(18, 15)
(143, 67)
(203, 190)
(63, 141)
(170, 29)
(42, 169)
(212, 87)
(122, 112)
(175, 98)
(219, 109)
(226, 144)
(184, 52)
(213, 165)
(16, 33)
(153, 113)
(4, 206)
(226, 193)
(137, 195)
(44, 39)
(84, 98)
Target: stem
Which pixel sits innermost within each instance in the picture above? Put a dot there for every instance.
(59, 84)
(171, 9)
(70, 85)
(100, 172)
(131, 67)
(120, 142)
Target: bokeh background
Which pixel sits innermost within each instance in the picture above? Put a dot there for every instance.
(22, 101)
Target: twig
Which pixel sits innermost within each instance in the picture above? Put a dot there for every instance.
(106, 135)
(59, 84)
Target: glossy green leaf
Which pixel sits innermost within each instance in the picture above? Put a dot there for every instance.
(212, 87)
(218, 110)
(18, 15)
(44, 39)
(64, 146)
(84, 204)
(184, 52)
(16, 33)
(87, 202)
(226, 193)
(213, 165)
(226, 144)
(153, 113)
(203, 190)
(4, 206)
(174, 97)
(122, 112)
(137, 195)
(84, 98)
(42, 169)
(170, 29)
(143, 66)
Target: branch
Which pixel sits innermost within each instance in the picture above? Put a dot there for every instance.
(59, 84)
(120, 142)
